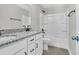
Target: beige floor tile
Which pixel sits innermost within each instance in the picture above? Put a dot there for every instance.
(55, 51)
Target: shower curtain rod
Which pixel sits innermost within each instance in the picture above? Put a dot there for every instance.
(71, 12)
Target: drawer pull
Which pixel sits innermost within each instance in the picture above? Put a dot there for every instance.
(32, 50)
(36, 45)
(25, 53)
(32, 40)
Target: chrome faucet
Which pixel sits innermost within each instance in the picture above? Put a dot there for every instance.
(28, 28)
(24, 26)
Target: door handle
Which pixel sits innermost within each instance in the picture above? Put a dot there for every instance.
(75, 38)
(25, 53)
(32, 50)
(31, 39)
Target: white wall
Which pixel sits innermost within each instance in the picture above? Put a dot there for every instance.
(56, 29)
(35, 16)
(77, 28)
(72, 29)
(18, 11)
(41, 20)
(55, 8)
(6, 12)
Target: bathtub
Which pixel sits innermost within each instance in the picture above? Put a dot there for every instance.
(58, 42)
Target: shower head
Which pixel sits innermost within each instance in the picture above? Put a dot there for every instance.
(73, 11)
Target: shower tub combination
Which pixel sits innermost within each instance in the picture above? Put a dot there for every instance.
(56, 30)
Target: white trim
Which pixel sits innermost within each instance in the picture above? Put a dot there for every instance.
(58, 45)
(69, 51)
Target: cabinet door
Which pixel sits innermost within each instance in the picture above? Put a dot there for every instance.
(14, 47)
(22, 52)
(38, 36)
(31, 49)
(31, 40)
(39, 46)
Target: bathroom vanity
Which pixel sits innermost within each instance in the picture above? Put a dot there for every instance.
(22, 43)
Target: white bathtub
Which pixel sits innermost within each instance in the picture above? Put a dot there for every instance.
(58, 42)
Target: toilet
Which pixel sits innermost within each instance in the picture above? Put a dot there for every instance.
(45, 43)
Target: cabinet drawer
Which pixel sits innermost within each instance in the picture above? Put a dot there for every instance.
(39, 36)
(31, 49)
(31, 39)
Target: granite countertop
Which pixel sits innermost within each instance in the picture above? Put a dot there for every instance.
(14, 37)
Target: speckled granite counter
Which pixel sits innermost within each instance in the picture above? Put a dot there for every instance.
(18, 36)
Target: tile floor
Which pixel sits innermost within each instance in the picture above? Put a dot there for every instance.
(55, 51)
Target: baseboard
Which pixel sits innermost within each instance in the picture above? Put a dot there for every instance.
(58, 45)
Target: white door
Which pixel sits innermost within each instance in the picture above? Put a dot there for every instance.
(77, 28)
(72, 32)
(39, 46)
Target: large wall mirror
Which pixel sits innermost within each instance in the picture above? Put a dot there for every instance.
(14, 16)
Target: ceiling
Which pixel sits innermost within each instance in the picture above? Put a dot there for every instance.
(53, 5)
(54, 8)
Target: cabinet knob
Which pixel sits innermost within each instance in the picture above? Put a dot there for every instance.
(31, 39)
(32, 50)
(25, 53)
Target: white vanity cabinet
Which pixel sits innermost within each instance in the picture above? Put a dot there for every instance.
(13, 48)
(23, 51)
(31, 45)
(39, 46)
(35, 45)
(31, 40)
(23, 48)
(31, 49)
